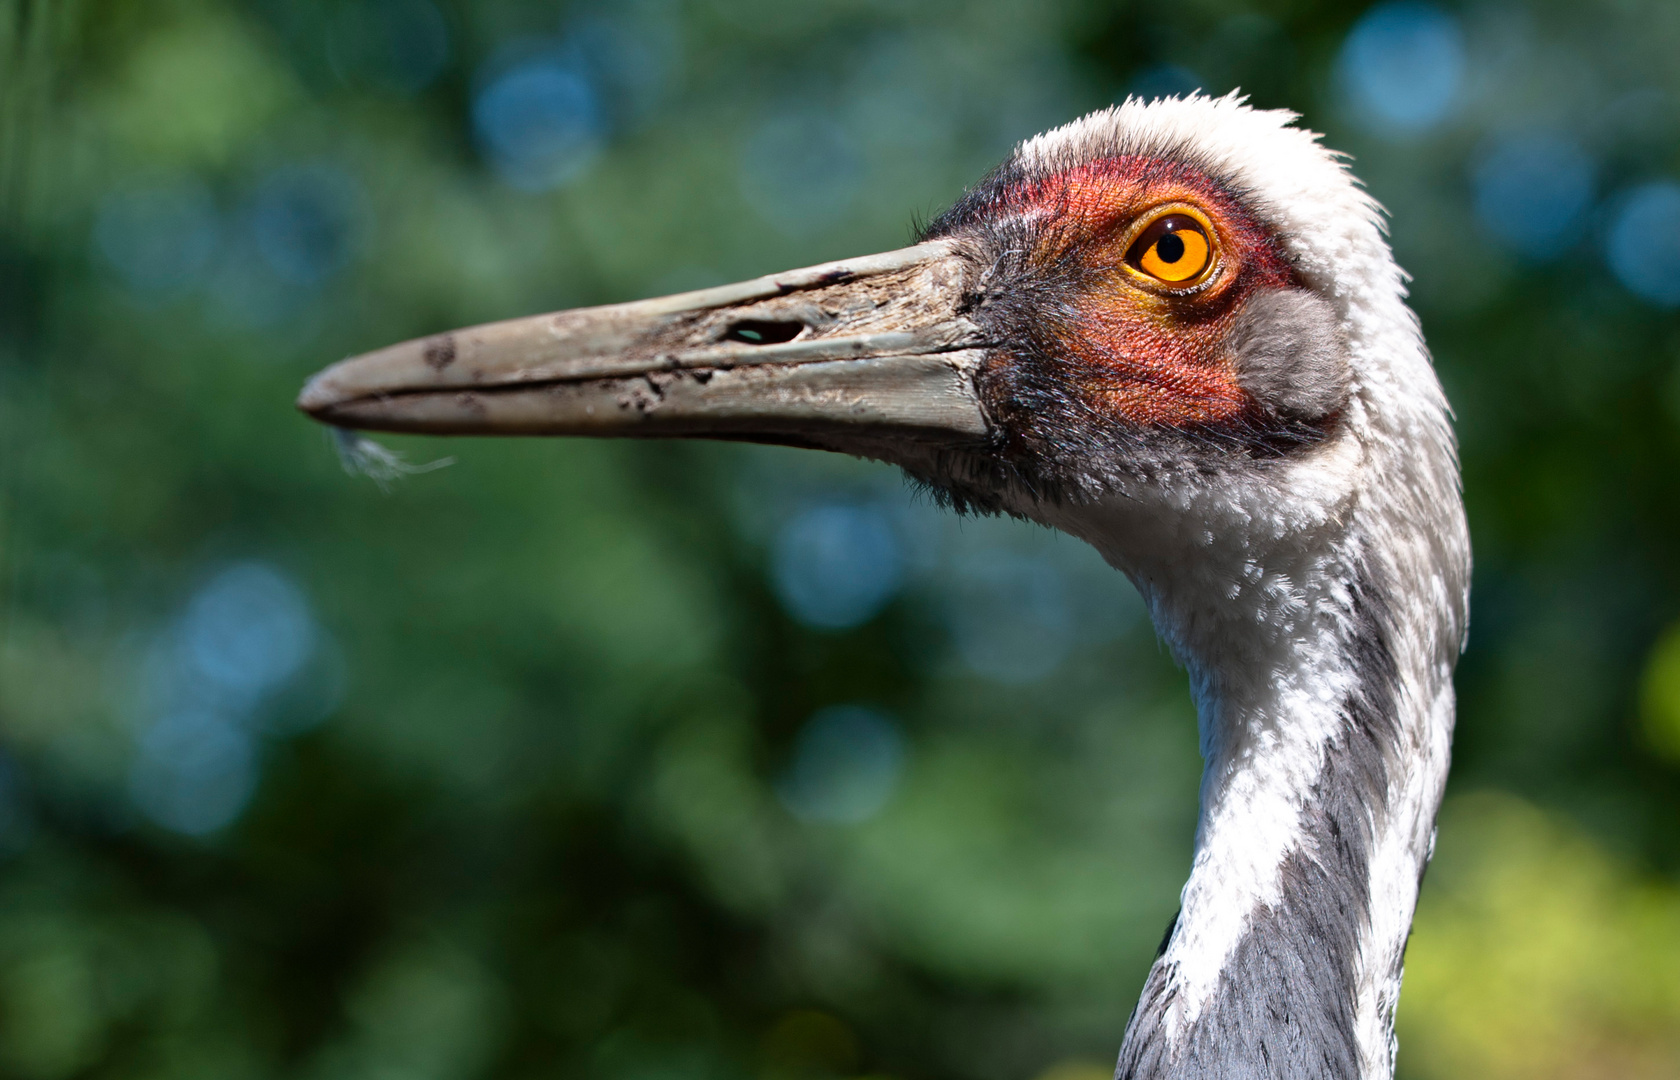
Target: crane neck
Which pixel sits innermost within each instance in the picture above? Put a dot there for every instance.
(1321, 668)
(1314, 831)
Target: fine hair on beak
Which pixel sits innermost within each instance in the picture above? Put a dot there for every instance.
(361, 456)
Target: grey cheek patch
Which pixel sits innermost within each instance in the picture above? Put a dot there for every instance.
(1290, 354)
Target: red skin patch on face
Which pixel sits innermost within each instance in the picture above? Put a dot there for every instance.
(1150, 355)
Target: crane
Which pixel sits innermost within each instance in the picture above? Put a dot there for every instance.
(1175, 330)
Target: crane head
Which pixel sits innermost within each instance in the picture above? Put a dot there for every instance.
(1154, 295)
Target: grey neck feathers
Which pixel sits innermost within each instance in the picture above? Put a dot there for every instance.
(1275, 966)
(1320, 653)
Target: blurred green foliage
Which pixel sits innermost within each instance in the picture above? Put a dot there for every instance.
(496, 773)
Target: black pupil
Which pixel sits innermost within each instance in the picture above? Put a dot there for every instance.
(1170, 248)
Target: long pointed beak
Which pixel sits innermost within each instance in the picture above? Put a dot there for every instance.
(869, 355)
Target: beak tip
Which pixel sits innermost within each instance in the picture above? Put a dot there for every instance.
(318, 398)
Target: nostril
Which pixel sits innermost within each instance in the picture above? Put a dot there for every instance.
(763, 332)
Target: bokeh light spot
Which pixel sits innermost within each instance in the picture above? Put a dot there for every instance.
(1532, 190)
(195, 773)
(247, 631)
(539, 123)
(304, 219)
(1660, 696)
(244, 635)
(845, 767)
(159, 239)
(1402, 66)
(1643, 245)
(836, 566)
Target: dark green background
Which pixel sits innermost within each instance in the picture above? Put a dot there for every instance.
(517, 806)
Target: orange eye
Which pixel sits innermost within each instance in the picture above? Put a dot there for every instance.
(1174, 249)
